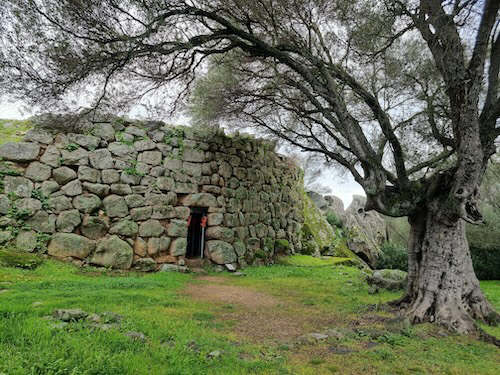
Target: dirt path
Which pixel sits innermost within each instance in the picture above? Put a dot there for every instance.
(257, 316)
(217, 290)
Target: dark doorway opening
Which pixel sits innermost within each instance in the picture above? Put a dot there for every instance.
(195, 233)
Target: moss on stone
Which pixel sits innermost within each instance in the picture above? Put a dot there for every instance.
(316, 226)
(268, 244)
(261, 254)
(11, 258)
(282, 246)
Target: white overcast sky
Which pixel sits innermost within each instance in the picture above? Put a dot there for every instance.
(343, 186)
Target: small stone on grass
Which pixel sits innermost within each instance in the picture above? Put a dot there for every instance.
(214, 354)
(136, 336)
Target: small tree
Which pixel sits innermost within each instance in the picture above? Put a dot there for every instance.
(402, 94)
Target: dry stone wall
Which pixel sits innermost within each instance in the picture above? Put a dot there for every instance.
(120, 195)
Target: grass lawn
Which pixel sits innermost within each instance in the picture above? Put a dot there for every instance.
(13, 130)
(254, 321)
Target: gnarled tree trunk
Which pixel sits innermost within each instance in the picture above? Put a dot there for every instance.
(442, 285)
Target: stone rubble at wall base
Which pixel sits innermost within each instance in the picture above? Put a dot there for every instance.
(120, 195)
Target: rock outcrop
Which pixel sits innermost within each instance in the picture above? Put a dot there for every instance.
(367, 230)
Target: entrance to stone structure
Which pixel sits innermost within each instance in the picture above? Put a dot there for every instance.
(196, 232)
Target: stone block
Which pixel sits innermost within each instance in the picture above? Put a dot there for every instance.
(120, 149)
(165, 183)
(130, 178)
(173, 164)
(221, 252)
(76, 157)
(135, 200)
(63, 175)
(200, 200)
(220, 233)
(144, 145)
(63, 245)
(140, 189)
(182, 212)
(104, 131)
(4, 204)
(110, 176)
(261, 230)
(51, 157)
(150, 157)
(86, 141)
(165, 243)
(240, 248)
(163, 212)
(94, 227)
(126, 228)
(87, 203)
(141, 213)
(214, 219)
(166, 259)
(37, 171)
(185, 188)
(178, 247)
(168, 199)
(115, 206)
(192, 155)
(100, 190)
(89, 174)
(121, 189)
(151, 228)
(153, 246)
(38, 135)
(60, 203)
(113, 252)
(144, 265)
(253, 243)
(140, 247)
(225, 170)
(20, 186)
(72, 188)
(26, 241)
(101, 159)
(191, 169)
(19, 151)
(135, 131)
(67, 221)
(231, 220)
(177, 228)
(157, 171)
(212, 189)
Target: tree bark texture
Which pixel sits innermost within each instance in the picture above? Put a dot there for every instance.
(442, 285)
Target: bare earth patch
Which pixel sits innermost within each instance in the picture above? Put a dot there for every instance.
(259, 316)
(217, 291)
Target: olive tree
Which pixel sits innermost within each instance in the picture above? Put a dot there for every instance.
(401, 93)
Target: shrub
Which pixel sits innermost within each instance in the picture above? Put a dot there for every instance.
(393, 257)
(333, 219)
(484, 240)
(281, 246)
(486, 262)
